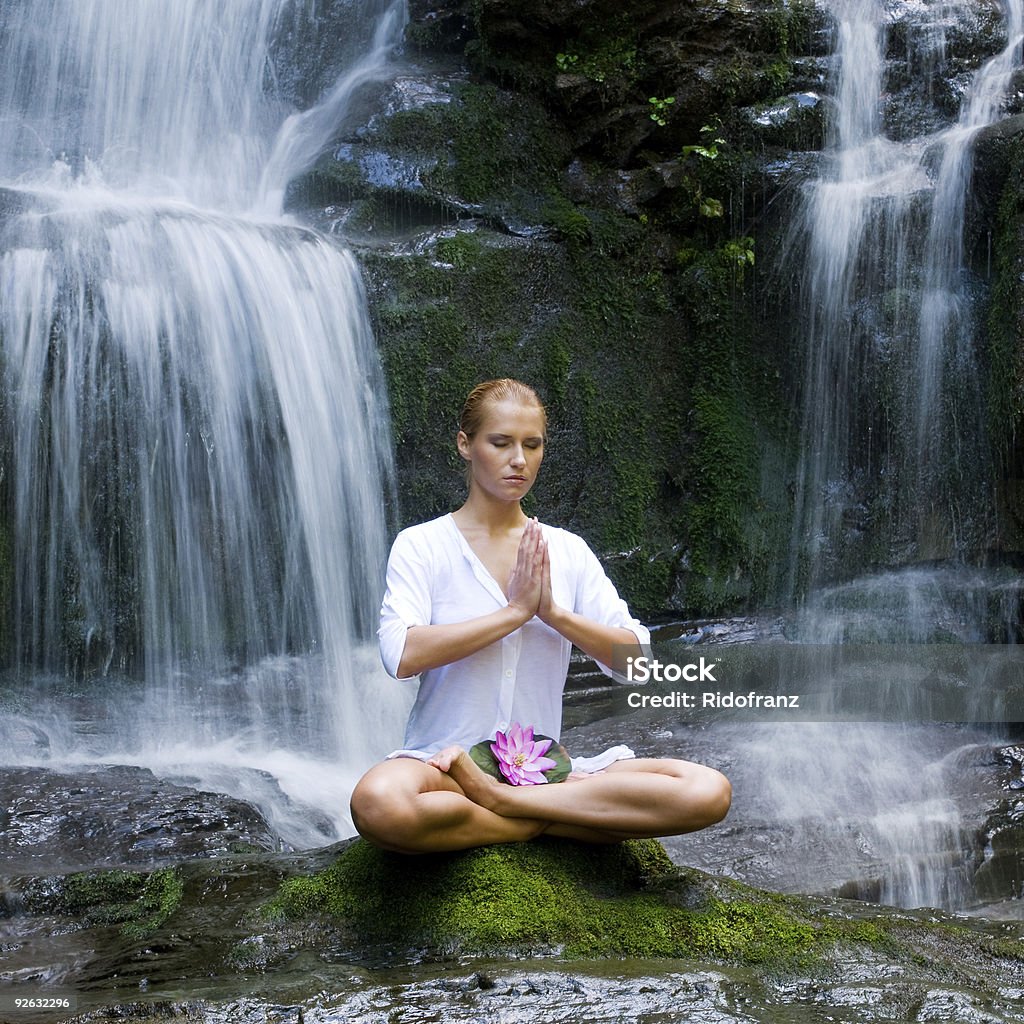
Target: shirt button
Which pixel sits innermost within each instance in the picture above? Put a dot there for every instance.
(508, 673)
(503, 726)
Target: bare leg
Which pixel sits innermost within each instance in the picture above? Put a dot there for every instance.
(631, 799)
(408, 806)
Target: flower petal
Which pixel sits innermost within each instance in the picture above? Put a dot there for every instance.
(540, 747)
(540, 764)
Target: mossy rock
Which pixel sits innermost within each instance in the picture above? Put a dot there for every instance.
(139, 902)
(556, 897)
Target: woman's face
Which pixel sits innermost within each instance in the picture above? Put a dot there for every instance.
(505, 453)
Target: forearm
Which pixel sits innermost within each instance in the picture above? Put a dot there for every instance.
(428, 647)
(591, 637)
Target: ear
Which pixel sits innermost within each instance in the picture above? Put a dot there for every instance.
(462, 443)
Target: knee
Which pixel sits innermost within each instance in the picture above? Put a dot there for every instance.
(717, 796)
(704, 800)
(705, 794)
(379, 813)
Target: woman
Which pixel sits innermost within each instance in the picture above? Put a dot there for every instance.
(484, 606)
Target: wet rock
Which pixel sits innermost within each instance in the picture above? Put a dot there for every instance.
(796, 121)
(82, 817)
(296, 933)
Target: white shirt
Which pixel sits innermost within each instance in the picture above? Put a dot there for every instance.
(434, 577)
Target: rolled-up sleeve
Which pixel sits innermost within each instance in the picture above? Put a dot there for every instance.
(597, 599)
(407, 600)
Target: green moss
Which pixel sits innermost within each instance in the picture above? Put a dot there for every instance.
(461, 251)
(736, 518)
(586, 901)
(484, 144)
(141, 903)
(724, 470)
(577, 900)
(568, 220)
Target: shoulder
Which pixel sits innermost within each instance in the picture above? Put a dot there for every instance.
(570, 548)
(424, 535)
(564, 538)
(420, 545)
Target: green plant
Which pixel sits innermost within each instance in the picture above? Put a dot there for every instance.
(708, 148)
(660, 109)
(739, 252)
(710, 207)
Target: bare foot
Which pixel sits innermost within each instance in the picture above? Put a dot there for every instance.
(480, 787)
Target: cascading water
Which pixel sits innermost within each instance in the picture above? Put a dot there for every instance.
(195, 454)
(896, 467)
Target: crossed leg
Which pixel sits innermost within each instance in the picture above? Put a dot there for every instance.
(410, 806)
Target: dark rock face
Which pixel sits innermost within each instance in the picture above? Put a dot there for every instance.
(598, 64)
(570, 196)
(601, 200)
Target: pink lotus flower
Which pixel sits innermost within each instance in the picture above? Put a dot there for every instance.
(521, 758)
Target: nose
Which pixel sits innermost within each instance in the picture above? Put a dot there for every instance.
(518, 456)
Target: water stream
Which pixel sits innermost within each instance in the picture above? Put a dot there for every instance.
(197, 455)
(896, 467)
(896, 464)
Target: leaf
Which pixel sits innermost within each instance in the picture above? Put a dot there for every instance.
(483, 758)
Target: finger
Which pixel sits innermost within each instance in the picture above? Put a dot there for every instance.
(539, 557)
(529, 538)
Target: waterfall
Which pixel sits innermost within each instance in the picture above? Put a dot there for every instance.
(195, 455)
(895, 469)
(945, 358)
(896, 466)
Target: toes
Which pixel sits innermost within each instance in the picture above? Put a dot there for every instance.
(444, 759)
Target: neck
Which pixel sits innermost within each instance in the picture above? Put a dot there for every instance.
(495, 516)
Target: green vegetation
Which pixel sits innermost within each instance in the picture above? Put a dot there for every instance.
(140, 903)
(580, 901)
(600, 59)
(660, 109)
(1006, 313)
(485, 143)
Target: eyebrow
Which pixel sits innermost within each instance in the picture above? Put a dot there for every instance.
(508, 437)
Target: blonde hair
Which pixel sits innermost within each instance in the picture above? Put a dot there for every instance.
(501, 390)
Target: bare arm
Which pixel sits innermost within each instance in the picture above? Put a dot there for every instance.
(591, 637)
(430, 646)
